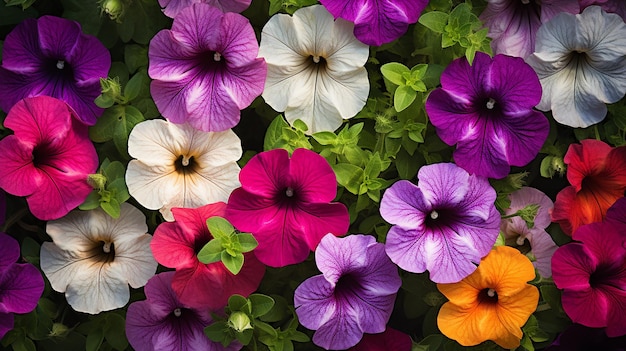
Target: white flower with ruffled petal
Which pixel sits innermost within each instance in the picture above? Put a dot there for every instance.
(94, 257)
(316, 68)
(179, 166)
(581, 63)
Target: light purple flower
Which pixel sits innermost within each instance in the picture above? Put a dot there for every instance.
(486, 109)
(377, 22)
(51, 56)
(611, 6)
(354, 294)
(513, 24)
(445, 224)
(173, 7)
(205, 69)
(21, 284)
(163, 323)
(517, 233)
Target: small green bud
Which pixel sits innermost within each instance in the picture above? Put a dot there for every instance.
(97, 180)
(239, 321)
(111, 87)
(59, 330)
(113, 8)
(558, 165)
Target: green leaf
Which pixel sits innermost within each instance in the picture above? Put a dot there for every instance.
(118, 187)
(434, 20)
(274, 133)
(217, 332)
(394, 71)
(245, 336)
(211, 252)
(266, 328)
(232, 263)
(219, 227)
(111, 207)
(135, 56)
(247, 241)
(135, 85)
(325, 138)
(238, 303)
(115, 332)
(261, 304)
(403, 97)
(24, 344)
(278, 312)
(94, 339)
(349, 176)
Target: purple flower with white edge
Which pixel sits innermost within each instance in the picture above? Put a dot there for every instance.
(486, 109)
(163, 323)
(171, 8)
(513, 24)
(377, 22)
(51, 56)
(205, 69)
(517, 233)
(445, 224)
(354, 294)
(21, 284)
(581, 64)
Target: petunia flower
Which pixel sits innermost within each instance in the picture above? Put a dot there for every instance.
(493, 303)
(176, 245)
(52, 56)
(354, 294)
(513, 24)
(377, 22)
(486, 109)
(286, 204)
(517, 233)
(592, 273)
(94, 257)
(205, 69)
(597, 174)
(390, 339)
(171, 8)
(580, 338)
(581, 63)
(48, 158)
(445, 224)
(316, 68)
(613, 6)
(162, 323)
(179, 166)
(21, 284)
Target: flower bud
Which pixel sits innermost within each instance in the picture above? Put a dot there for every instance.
(113, 8)
(239, 321)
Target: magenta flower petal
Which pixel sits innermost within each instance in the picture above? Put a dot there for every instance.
(48, 158)
(171, 8)
(9, 251)
(205, 69)
(354, 294)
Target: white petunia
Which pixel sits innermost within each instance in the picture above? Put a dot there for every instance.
(581, 63)
(95, 257)
(179, 166)
(315, 68)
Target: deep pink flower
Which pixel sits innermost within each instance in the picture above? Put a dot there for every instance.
(48, 157)
(205, 69)
(173, 7)
(592, 273)
(285, 203)
(51, 56)
(176, 245)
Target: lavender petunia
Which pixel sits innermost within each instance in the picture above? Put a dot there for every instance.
(445, 224)
(486, 109)
(171, 8)
(163, 323)
(51, 56)
(354, 294)
(377, 22)
(581, 64)
(205, 69)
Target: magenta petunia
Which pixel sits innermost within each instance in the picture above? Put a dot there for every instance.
(486, 109)
(21, 284)
(354, 294)
(176, 244)
(445, 224)
(205, 69)
(591, 271)
(513, 24)
(286, 204)
(48, 157)
(52, 56)
(171, 8)
(377, 22)
(162, 323)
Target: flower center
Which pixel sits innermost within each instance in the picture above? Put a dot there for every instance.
(60, 64)
(185, 164)
(217, 57)
(488, 295)
(177, 312)
(525, 2)
(107, 247)
(434, 214)
(491, 103)
(289, 192)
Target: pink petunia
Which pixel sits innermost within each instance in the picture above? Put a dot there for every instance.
(48, 157)
(176, 245)
(286, 204)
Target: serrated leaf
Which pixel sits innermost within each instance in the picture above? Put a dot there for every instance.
(261, 304)
(403, 97)
(232, 263)
(394, 71)
(211, 252)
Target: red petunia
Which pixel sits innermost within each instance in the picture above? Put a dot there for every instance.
(597, 174)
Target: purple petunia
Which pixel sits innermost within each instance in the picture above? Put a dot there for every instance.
(205, 69)
(163, 323)
(377, 22)
(354, 294)
(21, 284)
(171, 8)
(486, 109)
(445, 224)
(51, 56)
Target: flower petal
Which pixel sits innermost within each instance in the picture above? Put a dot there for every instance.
(21, 286)
(9, 250)
(403, 204)
(315, 178)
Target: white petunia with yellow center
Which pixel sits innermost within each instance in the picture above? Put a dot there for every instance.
(316, 68)
(178, 166)
(94, 257)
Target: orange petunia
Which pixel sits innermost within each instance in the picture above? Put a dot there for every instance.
(493, 303)
(597, 174)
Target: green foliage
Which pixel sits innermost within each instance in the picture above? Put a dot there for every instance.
(110, 189)
(280, 135)
(227, 245)
(24, 4)
(288, 6)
